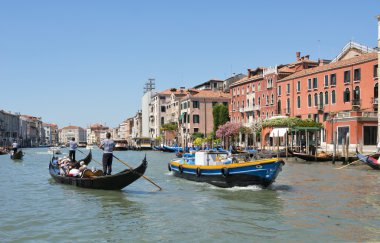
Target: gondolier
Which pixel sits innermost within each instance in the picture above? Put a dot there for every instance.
(73, 148)
(107, 145)
(14, 146)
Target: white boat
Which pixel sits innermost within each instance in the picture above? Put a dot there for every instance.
(55, 150)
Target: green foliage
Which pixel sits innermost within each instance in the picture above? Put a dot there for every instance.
(291, 122)
(158, 139)
(245, 130)
(196, 135)
(169, 127)
(220, 115)
(199, 141)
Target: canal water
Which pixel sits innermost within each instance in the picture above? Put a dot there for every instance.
(308, 202)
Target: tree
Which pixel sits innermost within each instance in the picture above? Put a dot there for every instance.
(228, 131)
(220, 115)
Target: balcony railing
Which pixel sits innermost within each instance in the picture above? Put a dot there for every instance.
(356, 102)
(320, 107)
(241, 110)
(375, 101)
(256, 107)
(248, 108)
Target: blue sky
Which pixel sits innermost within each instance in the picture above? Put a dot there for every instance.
(81, 62)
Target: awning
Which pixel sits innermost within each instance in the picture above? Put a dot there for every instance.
(278, 132)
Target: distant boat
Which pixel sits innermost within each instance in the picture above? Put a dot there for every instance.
(18, 155)
(218, 169)
(90, 147)
(120, 146)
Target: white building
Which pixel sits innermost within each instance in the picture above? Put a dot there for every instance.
(69, 132)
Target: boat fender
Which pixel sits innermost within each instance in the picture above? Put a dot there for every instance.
(225, 172)
(259, 166)
(180, 168)
(169, 167)
(199, 173)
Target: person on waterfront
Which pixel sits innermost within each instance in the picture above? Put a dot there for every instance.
(107, 145)
(14, 146)
(73, 147)
(378, 147)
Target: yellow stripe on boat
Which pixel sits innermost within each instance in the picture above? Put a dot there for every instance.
(242, 164)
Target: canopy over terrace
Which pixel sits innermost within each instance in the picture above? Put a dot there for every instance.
(279, 132)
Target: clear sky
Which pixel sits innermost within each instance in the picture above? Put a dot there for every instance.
(81, 62)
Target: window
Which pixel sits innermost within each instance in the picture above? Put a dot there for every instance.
(195, 118)
(333, 100)
(347, 76)
(298, 101)
(195, 104)
(309, 84)
(215, 103)
(259, 101)
(346, 95)
(356, 94)
(253, 101)
(309, 100)
(315, 83)
(242, 104)
(196, 129)
(162, 120)
(288, 88)
(320, 104)
(215, 85)
(279, 91)
(298, 86)
(326, 98)
(370, 135)
(357, 74)
(333, 79)
(315, 99)
(267, 100)
(326, 80)
(325, 116)
(247, 103)
(163, 109)
(375, 67)
(342, 134)
(272, 100)
(258, 87)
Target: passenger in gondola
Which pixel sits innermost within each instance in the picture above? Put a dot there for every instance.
(107, 145)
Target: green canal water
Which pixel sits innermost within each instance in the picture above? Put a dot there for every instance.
(307, 203)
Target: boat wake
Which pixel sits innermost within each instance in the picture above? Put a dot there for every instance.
(239, 188)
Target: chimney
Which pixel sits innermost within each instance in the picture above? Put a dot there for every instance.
(307, 57)
(298, 55)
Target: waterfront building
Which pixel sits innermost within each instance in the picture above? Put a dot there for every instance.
(343, 95)
(377, 73)
(9, 128)
(229, 81)
(137, 128)
(212, 84)
(69, 132)
(94, 133)
(145, 107)
(32, 131)
(196, 113)
(51, 134)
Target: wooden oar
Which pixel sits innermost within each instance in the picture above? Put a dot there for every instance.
(92, 158)
(130, 167)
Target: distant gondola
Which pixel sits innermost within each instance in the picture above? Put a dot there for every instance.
(368, 160)
(309, 157)
(111, 182)
(18, 155)
(3, 152)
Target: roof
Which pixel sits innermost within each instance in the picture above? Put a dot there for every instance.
(71, 127)
(333, 65)
(207, 82)
(210, 94)
(175, 91)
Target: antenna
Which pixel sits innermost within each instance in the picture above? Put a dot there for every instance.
(150, 85)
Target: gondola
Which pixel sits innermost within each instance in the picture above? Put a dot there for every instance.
(111, 182)
(226, 174)
(369, 160)
(309, 157)
(3, 152)
(18, 155)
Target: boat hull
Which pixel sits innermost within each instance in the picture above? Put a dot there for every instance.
(18, 155)
(111, 182)
(231, 175)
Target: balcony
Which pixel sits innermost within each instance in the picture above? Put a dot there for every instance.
(287, 111)
(356, 104)
(320, 107)
(249, 108)
(256, 107)
(375, 101)
(241, 110)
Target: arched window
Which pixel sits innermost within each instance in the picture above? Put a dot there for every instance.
(247, 103)
(375, 91)
(279, 107)
(267, 100)
(309, 100)
(326, 97)
(253, 101)
(272, 100)
(333, 100)
(259, 101)
(346, 95)
(315, 99)
(320, 99)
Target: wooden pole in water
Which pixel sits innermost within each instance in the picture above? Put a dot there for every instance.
(278, 144)
(334, 147)
(286, 145)
(347, 144)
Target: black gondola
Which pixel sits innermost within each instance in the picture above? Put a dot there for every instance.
(369, 160)
(18, 155)
(111, 182)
